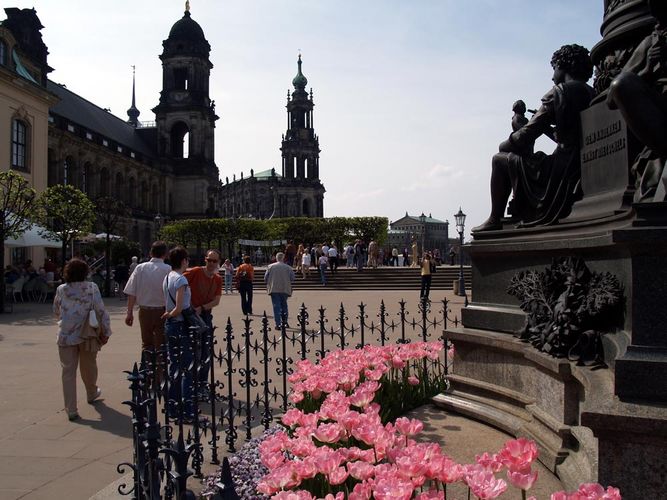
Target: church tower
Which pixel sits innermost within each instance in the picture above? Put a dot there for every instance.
(300, 149)
(185, 118)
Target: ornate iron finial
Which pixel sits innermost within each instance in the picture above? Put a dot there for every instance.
(187, 5)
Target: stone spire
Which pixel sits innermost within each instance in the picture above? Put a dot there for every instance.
(299, 81)
(133, 112)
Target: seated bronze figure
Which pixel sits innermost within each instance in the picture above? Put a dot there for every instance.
(544, 186)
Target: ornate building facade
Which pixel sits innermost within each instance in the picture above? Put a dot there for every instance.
(297, 190)
(164, 169)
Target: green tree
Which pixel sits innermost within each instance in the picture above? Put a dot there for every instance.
(17, 211)
(66, 213)
(110, 212)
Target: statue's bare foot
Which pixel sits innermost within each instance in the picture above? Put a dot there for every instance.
(491, 224)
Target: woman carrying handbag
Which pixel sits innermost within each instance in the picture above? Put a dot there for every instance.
(79, 340)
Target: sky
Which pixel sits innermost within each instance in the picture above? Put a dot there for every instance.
(412, 97)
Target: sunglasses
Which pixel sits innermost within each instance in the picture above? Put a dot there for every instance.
(212, 261)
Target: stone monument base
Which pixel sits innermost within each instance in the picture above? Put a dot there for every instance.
(605, 424)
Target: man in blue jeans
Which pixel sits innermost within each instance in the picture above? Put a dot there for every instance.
(279, 278)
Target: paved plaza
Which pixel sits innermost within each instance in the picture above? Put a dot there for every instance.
(43, 455)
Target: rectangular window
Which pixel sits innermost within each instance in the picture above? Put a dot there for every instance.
(132, 155)
(52, 119)
(70, 127)
(119, 149)
(89, 136)
(105, 142)
(19, 145)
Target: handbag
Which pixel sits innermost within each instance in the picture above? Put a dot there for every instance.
(91, 331)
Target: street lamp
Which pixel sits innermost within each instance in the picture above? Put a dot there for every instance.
(460, 227)
(422, 219)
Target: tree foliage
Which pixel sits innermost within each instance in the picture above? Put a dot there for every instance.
(307, 230)
(66, 213)
(110, 212)
(17, 212)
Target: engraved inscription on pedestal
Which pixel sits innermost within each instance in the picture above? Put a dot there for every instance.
(604, 164)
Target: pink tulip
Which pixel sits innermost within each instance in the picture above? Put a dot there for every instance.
(491, 462)
(450, 472)
(518, 454)
(273, 460)
(305, 469)
(361, 491)
(431, 495)
(412, 380)
(360, 470)
(523, 481)
(339, 496)
(408, 427)
(329, 433)
(293, 495)
(338, 476)
(391, 488)
(483, 483)
(291, 417)
(560, 495)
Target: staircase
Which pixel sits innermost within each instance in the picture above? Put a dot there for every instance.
(382, 278)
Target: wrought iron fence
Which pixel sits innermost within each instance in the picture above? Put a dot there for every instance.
(171, 434)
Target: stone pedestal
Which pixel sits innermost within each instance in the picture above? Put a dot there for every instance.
(589, 424)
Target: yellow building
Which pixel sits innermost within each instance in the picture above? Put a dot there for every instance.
(24, 107)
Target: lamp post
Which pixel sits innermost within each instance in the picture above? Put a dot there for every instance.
(460, 227)
(422, 219)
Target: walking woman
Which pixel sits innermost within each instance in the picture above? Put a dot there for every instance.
(244, 276)
(229, 275)
(299, 258)
(72, 304)
(426, 276)
(177, 297)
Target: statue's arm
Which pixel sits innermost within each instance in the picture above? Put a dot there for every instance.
(540, 124)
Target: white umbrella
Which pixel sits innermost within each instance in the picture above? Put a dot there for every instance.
(103, 236)
(32, 238)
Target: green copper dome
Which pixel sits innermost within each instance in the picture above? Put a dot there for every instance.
(300, 81)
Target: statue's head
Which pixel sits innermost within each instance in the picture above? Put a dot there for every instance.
(519, 107)
(573, 60)
(659, 10)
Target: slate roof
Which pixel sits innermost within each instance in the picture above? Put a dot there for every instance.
(82, 112)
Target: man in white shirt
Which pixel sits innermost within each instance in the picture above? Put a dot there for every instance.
(144, 288)
(333, 258)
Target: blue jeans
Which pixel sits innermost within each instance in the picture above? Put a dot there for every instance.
(180, 361)
(279, 301)
(323, 274)
(228, 283)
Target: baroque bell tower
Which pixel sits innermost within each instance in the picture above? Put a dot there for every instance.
(301, 150)
(185, 118)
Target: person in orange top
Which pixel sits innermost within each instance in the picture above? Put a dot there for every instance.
(206, 288)
(244, 276)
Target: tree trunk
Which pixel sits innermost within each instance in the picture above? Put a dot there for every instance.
(107, 263)
(64, 256)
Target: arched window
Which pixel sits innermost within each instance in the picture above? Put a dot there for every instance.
(85, 178)
(154, 199)
(131, 192)
(3, 53)
(104, 182)
(306, 208)
(20, 144)
(179, 132)
(119, 191)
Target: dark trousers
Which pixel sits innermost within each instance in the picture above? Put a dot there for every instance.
(394, 261)
(245, 290)
(426, 286)
(180, 361)
(333, 264)
(205, 346)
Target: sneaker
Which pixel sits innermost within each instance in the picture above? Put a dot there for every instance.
(98, 393)
(73, 416)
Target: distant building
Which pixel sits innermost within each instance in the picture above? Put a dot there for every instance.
(294, 192)
(433, 232)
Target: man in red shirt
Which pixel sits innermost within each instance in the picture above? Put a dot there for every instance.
(206, 287)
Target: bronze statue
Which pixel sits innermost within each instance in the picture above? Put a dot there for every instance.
(640, 94)
(544, 186)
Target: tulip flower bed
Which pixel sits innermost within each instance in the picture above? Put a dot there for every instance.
(345, 439)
